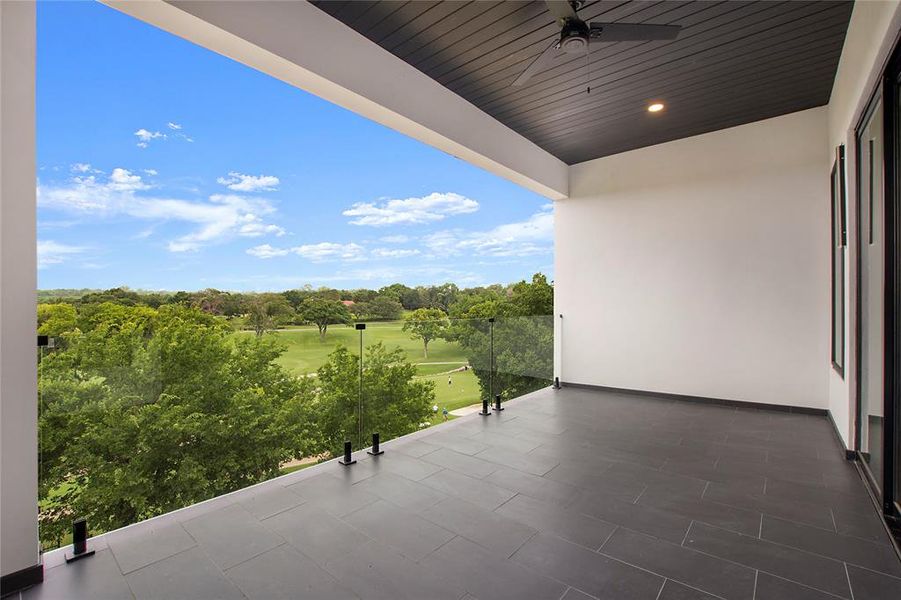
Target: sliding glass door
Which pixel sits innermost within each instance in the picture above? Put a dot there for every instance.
(871, 238)
(879, 291)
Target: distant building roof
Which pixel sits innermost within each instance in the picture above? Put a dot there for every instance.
(348, 302)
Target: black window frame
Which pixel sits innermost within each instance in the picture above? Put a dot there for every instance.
(839, 243)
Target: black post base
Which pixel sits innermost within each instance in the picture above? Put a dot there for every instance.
(348, 458)
(70, 558)
(485, 412)
(375, 450)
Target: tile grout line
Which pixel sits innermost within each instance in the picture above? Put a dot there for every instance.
(664, 577)
(756, 575)
(790, 547)
(663, 585)
(687, 531)
(848, 577)
(771, 574)
(607, 539)
(518, 548)
(804, 585)
(196, 545)
(257, 555)
(641, 494)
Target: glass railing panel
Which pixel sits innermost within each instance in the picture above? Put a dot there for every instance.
(402, 359)
(147, 410)
(107, 447)
(523, 349)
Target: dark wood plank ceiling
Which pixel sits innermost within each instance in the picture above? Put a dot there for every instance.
(734, 62)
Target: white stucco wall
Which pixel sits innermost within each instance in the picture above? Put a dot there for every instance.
(18, 282)
(701, 266)
(871, 35)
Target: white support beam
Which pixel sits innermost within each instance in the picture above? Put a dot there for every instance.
(303, 46)
(18, 292)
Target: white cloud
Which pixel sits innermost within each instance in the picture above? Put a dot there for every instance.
(411, 211)
(525, 238)
(81, 168)
(221, 217)
(151, 172)
(254, 227)
(125, 180)
(249, 183)
(395, 239)
(393, 253)
(144, 137)
(267, 251)
(54, 253)
(329, 251)
(321, 252)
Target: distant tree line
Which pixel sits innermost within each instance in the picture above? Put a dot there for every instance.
(149, 402)
(267, 311)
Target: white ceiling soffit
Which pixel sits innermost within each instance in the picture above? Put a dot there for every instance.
(301, 45)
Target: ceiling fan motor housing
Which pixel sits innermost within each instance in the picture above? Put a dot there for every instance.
(574, 37)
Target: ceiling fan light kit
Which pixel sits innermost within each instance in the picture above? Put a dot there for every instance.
(576, 36)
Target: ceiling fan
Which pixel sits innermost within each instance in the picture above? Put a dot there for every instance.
(576, 35)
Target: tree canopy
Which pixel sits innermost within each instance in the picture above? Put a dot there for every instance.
(426, 324)
(147, 410)
(150, 402)
(323, 312)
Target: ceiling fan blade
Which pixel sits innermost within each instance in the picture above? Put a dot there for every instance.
(628, 32)
(561, 9)
(544, 60)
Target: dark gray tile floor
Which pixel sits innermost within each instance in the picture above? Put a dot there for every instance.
(573, 494)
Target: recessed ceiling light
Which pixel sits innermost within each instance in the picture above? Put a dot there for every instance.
(656, 107)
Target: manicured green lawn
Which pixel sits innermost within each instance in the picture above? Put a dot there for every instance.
(306, 352)
(463, 391)
(436, 368)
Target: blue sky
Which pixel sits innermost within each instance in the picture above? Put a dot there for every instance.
(162, 165)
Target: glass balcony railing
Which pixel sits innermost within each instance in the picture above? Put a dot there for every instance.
(147, 410)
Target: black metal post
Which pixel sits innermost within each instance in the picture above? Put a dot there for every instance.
(375, 451)
(491, 356)
(485, 410)
(79, 541)
(348, 454)
(556, 383)
(497, 403)
(360, 327)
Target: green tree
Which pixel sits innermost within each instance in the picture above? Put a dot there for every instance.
(324, 312)
(381, 308)
(56, 319)
(147, 411)
(522, 333)
(394, 402)
(426, 324)
(535, 298)
(267, 312)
